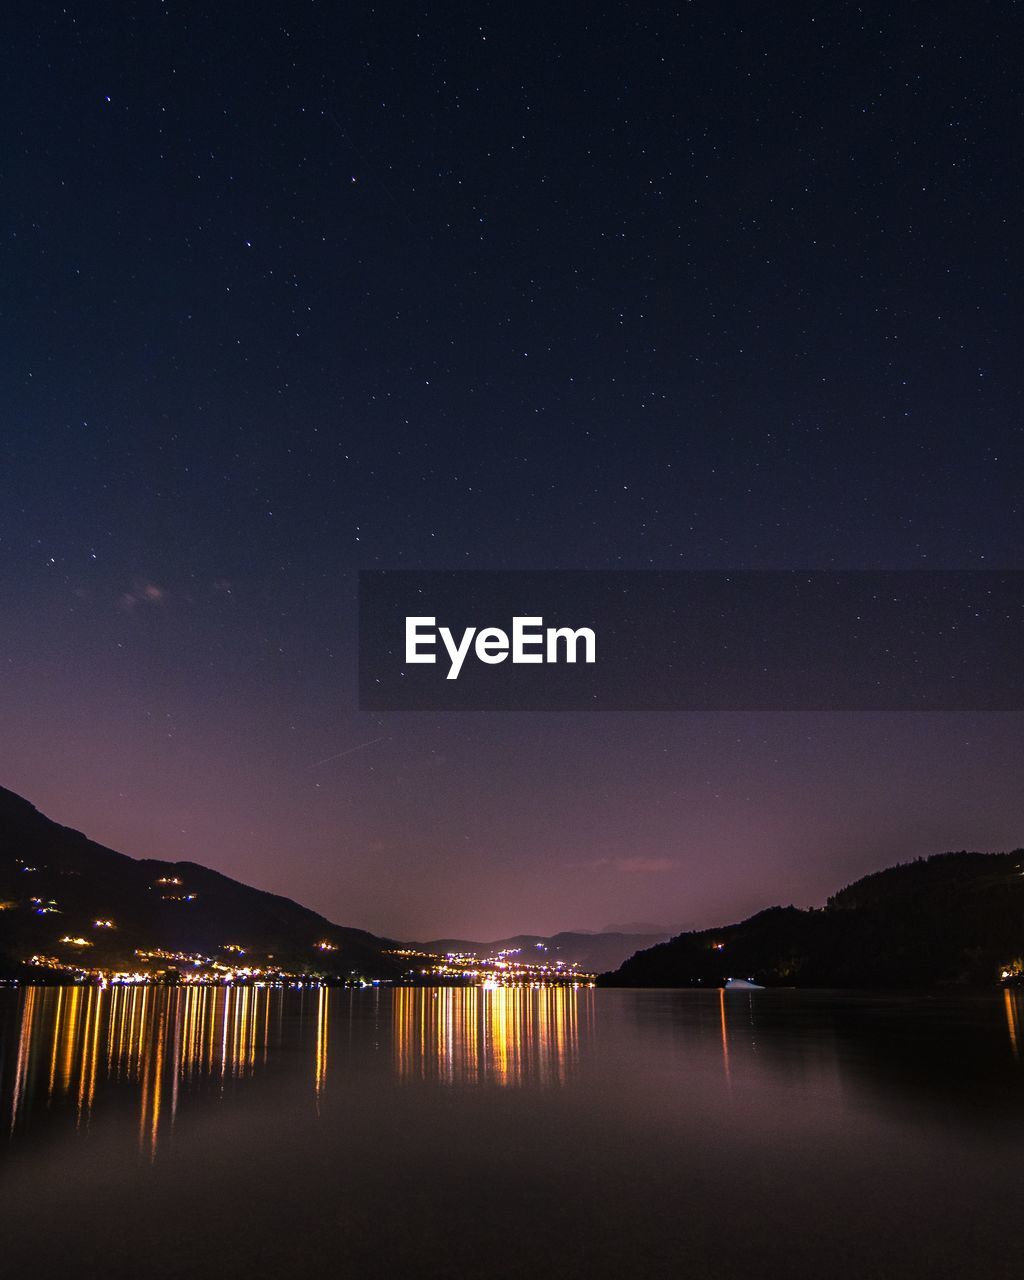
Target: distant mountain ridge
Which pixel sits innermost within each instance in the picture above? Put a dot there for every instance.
(57, 884)
(951, 918)
(592, 952)
(638, 926)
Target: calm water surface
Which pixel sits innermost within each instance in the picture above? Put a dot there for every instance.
(541, 1133)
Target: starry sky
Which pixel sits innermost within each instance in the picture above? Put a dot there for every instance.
(291, 290)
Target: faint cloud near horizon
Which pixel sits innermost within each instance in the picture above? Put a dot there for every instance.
(635, 866)
(142, 593)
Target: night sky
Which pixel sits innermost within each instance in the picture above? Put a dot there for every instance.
(294, 290)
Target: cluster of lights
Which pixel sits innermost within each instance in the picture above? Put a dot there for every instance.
(204, 972)
(158, 953)
(173, 882)
(505, 968)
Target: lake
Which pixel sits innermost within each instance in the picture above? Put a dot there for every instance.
(512, 1132)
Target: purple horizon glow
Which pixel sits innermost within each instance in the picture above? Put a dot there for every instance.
(483, 827)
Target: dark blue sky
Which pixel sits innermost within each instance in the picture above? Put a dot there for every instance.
(290, 290)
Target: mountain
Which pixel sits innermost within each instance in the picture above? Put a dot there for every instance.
(56, 884)
(638, 926)
(593, 952)
(951, 918)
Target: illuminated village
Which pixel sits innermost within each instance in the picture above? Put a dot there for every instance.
(233, 962)
(155, 965)
(161, 941)
(505, 968)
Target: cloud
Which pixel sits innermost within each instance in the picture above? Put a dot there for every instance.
(143, 593)
(636, 866)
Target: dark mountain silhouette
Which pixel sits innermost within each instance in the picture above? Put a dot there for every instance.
(55, 883)
(593, 952)
(638, 926)
(952, 918)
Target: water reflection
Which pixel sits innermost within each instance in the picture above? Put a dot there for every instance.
(152, 1043)
(954, 1055)
(68, 1038)
(406, 1131)
(724, 1020)
(323, 1011)
(1010, 1001)
(64, 1051)
(505, 1035)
